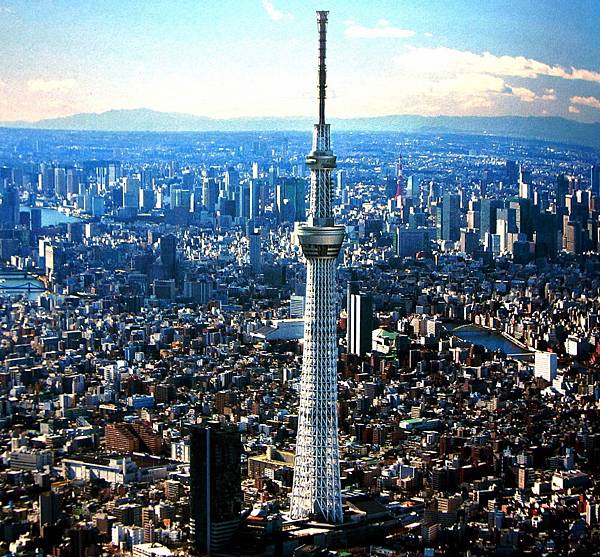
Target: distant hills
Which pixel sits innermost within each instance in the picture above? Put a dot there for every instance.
(142, 119)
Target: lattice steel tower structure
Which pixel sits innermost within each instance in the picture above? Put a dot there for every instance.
(316, 492)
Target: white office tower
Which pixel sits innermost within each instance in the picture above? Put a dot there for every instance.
(525, 187)
(359, 326)
(316, 492)
(546, 364)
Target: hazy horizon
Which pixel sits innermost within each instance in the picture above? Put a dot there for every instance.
(291, 117)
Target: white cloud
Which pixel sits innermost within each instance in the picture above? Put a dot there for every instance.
(50, 85)
(444, 81)
(527, 95)
(574, 110)
(586, 101)
(443, 60)
(274, 13)
(524, 94)
(382, 30)
(461, 82)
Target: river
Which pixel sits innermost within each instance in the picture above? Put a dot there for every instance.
(16, 285)
(488, 339)
(53, 217)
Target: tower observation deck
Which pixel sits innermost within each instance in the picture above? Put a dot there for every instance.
(316, 492)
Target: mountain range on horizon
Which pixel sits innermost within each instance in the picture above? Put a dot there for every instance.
(547, 128)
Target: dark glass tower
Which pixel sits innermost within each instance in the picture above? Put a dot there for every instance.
(9, 208)
(595, 180)
(168, 254)
(215, 485)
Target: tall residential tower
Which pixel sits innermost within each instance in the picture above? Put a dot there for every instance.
(316, 492)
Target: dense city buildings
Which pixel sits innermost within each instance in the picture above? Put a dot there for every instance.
(468, 368)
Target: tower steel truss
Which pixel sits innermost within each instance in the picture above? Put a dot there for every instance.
(316, 491)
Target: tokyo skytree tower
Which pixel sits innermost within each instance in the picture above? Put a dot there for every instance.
(316, 492)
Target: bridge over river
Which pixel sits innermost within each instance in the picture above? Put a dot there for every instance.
(17, 282)
(490, 339)
(26, 286)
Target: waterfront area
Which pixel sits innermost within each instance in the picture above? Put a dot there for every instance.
(51, 216)
(490, 340)
(16, 284)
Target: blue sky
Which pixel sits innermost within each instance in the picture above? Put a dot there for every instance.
(232, 58)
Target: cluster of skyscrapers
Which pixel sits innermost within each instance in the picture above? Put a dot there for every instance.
(265, 353)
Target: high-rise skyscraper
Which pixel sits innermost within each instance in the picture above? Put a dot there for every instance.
(243, 201)
(487, 219)
(512, 172)
(290, 202)
(341, 183)
(232, 181)
(215, 485)
(210, 192)
(413, 187)
(359, 327)
(316, 492)
(546, 235)
(254, 255)
(451, 217)
(36, 218)
(60, 182)
(9, 208)
(409, 241)
(50, 505)
(595, 180)
(525, 211)
(46, 180)
(563, 188)
(131, 193)
(525, 187)
(168, 254)
(254, 192)
(469, 241)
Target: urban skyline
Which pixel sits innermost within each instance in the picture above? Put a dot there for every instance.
(226, 59)
(215, 343)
